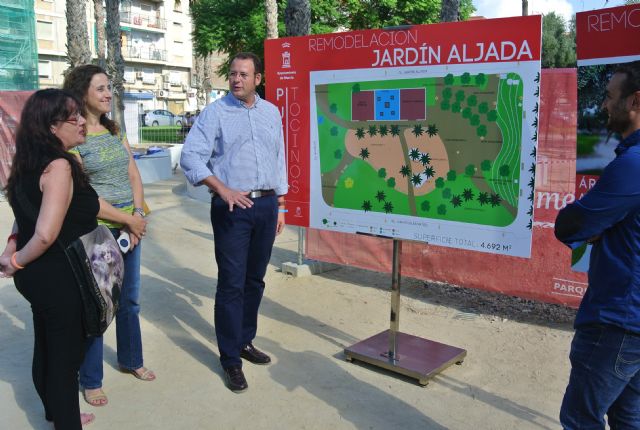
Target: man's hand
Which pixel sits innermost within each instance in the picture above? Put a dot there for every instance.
(233, 197)
(280, 224)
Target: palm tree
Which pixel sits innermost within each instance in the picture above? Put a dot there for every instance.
(372, 130)
(297, 17)
(271, 18)
(456, 201)
(467, 194)
(425, 158)
(115, 62)
(395, 130)
(364, 153)
(495, 200)
(360, 133)
(429, 172)
(380, 196)
(414, 154)
(405, 171)
(78, 51)
(416, 180)
(366, 206)
(101, 36)
(483, 198)
(384, 130)
(449, 10)
(417, 130)
(432, 130)
(388, 207)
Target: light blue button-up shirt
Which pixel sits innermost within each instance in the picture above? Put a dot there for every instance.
(241, 146)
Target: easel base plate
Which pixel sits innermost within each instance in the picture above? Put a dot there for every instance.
(416, 357)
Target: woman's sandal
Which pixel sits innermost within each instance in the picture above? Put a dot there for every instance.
(145, 375)
(97, 398)
(86, 418)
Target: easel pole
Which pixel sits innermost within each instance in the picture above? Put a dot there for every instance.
(395, 299)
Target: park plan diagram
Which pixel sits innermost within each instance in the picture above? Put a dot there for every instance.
(417, 150)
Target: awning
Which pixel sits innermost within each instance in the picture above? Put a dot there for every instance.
(139, 95)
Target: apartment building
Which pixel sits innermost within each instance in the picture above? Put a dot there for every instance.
(156, 46)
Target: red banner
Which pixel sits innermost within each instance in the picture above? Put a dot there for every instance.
(11, 103)
(547, 275)
(606, 33)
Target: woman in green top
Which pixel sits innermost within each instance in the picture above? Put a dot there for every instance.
(113, 173)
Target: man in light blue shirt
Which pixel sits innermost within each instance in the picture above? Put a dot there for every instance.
(236, 149)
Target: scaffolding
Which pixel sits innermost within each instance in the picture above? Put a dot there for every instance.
(18, 48)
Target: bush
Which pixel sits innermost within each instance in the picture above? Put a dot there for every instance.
(161, 134)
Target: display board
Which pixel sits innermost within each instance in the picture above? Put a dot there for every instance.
(425, 133)
(605, 38)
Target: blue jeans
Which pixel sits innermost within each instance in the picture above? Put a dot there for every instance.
(605, 379)
(129, 338)
(243, 243)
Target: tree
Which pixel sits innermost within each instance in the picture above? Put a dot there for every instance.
(429, 172)
(432, 130)
(447, 92)
(558, 46)
(382, 172)
(271, 18)
(414, 154)
(380, 196)
(504, 170)
(395, 130)
(485, 166)
(115, 62)
(446, 193)
(360, 133)
(449, 79)
(483, 107)
(456, 201)
(364, 153)
(467, 194)
(472, 100)
(334, 131)
(405, 171)
(483, 198)
(416, 180)
(373, 130)
(481, 78)
(442, 210)
(425, 158)
(366, 206)
(495, 200)
(470, 170)
(384, 130)
(101, 35)
(492, 115)
(388, 207)
(297, 17)
(440, 182)
(474, 120)
(425, 206)
(78, 51)
(338, 154)
(417, 130)
(481, 131)
(391, 182)
(449, 11)
(333, 108)
(465, 78)
(451, 175)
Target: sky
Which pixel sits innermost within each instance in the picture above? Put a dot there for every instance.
(566, 8)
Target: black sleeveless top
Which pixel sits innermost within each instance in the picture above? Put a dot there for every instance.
(81, 217)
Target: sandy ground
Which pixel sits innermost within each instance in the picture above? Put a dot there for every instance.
(513, 377)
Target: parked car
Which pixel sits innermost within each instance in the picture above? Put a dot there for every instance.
(162, 117)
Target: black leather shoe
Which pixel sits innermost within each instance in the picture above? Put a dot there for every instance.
(236, 381)
(249, 352)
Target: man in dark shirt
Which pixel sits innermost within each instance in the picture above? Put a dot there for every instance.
(605, 352)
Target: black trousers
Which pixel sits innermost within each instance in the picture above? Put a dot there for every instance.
(50, 288)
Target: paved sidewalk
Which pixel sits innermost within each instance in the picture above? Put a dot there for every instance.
(514, 375)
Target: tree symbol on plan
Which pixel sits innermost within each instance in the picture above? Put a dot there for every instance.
(364, 153)
(425, 158)
(416, 180)
(429, 172)
(456, 201)
(372, 130)
(395, 130)
(414, 154)
(405, 171)
(366, 205)
(417, 130)
(467, 194)
(380, 196)
(495, 200)
(360, 133)
(388, 207)
(432, 130)
(384, 130)
(483, 198)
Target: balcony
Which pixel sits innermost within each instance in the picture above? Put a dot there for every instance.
(151, 23)
(144, 53)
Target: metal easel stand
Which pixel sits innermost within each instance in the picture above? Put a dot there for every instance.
(402, 353)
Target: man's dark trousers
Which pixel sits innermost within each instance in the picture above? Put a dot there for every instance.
(243, 242)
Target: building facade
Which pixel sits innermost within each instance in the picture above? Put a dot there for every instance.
(156, 46)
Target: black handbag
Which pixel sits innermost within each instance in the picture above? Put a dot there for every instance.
(98, 267)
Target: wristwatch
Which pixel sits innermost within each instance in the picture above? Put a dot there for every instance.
(140, 212)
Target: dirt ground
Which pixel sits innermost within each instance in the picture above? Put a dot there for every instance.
(513, 377)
